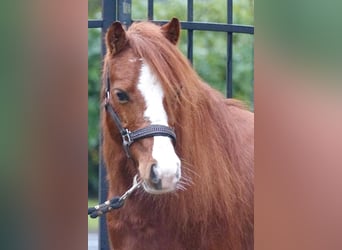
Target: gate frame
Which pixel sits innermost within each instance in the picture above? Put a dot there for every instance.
(120, 10)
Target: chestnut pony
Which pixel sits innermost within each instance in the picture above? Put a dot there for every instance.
(197, 190)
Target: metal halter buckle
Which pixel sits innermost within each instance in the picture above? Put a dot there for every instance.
(126, 141)
(107, 96)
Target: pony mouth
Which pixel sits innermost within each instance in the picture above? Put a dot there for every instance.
(152, 190)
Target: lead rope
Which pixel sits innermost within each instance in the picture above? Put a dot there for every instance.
(114, 203)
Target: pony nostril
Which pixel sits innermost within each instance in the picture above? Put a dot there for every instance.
(154, 178)
(153, 174)
(178, 172)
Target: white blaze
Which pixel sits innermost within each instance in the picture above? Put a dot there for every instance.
(168, 163)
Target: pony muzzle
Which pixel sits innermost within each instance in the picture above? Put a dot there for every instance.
(162, 180)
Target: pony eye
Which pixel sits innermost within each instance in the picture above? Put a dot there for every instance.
(122, 96)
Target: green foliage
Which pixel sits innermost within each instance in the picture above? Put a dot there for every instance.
(94, 72)
(209, 57)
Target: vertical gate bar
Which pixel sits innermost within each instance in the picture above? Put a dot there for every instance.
(190, 17)
(103, 191)
(108, 16)
(150, 10)
(229, 70)
(125, 12)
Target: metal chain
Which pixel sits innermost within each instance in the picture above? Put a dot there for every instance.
(114, 203)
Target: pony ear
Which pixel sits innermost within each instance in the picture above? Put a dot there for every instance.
(115, 38)
(171, 30)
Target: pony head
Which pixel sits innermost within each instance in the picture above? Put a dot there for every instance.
(138, 97)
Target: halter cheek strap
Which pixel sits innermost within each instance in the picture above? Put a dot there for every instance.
(129, 137)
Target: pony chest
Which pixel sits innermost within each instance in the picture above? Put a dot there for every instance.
(131, 231)
(131, 223)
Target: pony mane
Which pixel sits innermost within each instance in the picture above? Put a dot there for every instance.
(205, 119)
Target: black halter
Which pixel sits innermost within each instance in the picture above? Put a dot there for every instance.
(129, 137)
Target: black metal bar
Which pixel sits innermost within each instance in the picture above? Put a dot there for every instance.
(219, 27)
(190, 15)
(229, 68)
(125, 12)
(103, 193)
(108, 16)
(229, 11)
(108, 13)
(95, 23)
(150, 10)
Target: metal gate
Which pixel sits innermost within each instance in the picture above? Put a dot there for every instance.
(120, 10)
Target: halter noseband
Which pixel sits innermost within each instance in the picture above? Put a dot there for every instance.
(129, 137)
